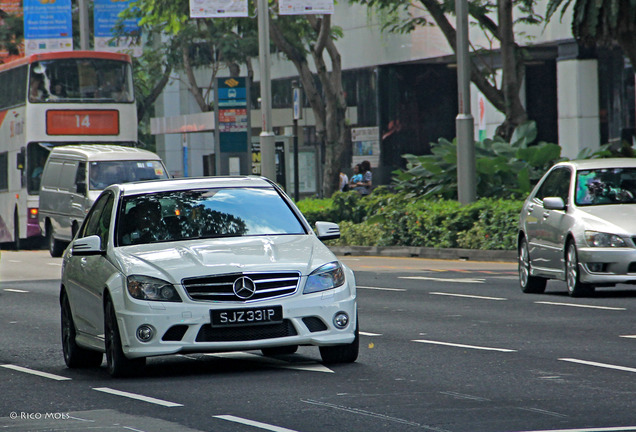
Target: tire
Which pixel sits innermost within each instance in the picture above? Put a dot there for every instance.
(341, 353)
(529, 284)
(572, 275)
(74, 355)
(278, 351)
(118, 364)
(56, 247)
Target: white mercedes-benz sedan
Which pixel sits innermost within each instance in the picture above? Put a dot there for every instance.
(202, 265)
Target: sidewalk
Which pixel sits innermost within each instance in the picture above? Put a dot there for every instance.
(430, 253)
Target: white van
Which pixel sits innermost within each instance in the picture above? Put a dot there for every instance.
(75, 175)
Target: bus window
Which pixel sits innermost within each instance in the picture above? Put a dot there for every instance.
(36, 158)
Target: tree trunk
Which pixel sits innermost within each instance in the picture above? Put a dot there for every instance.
(512, 66)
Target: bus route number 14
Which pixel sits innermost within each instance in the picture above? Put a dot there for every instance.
(82, 120)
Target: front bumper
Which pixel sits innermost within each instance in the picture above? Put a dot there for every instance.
(186, 327)
(607, 266)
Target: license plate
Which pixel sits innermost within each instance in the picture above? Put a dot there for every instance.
(246, 316)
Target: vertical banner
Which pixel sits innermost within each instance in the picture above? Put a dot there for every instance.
(218, 8)
(305, 7)
(12, 8)
(48, 26)
(105, 17)
(481, 102)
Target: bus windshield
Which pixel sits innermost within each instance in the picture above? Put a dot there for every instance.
(80, 80)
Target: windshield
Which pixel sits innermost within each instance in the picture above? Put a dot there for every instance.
(606, 186)
(80, 80)
(105, 173)
(207, 213)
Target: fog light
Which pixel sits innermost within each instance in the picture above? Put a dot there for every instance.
(145, 333)
(341, 320)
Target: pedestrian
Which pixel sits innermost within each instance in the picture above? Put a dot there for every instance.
(344, 182)
(363, 187)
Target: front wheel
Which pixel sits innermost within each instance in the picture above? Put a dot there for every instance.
(529, 284)
(74, 355)
(118, 364)
(341, 353)
(572, 275)
(56, 247)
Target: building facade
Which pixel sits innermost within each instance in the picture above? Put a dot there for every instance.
(405, 86)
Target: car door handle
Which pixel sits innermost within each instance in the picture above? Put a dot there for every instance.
(546, 214)
(83, 261)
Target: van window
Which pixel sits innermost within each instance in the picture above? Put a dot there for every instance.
(51, 174)
(105, 173)
(80, 178)
(67, 181)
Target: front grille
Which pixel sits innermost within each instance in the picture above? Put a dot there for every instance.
(207, 333)
(220, 288)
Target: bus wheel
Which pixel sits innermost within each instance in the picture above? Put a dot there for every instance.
(17, 244)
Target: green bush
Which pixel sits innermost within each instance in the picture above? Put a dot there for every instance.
(386, 219)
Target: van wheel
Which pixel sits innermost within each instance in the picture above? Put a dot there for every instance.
(56, 247)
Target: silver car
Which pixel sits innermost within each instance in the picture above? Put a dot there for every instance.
(579, 225)
(202, 265)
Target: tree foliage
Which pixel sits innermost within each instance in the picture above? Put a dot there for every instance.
(601, 22)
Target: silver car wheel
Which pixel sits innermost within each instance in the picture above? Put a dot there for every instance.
(529, 284)
(575, 287)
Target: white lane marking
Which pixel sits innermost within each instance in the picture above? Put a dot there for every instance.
(580, 306)
(629, 336)
(35, 372)
(137, 397)
(274, 362)
(456, 280)
(606, 429)
(540, 411)
(603, 365)
(468, 296)
(381, 289)
(15, 290)
(54, 264)
(370, 334)
(259, 425)
(463, 346)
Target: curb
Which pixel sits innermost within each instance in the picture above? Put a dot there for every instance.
(430, 253)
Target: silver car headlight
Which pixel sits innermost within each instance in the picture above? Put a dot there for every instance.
(326, 277)
(599, 239)
(153, 289)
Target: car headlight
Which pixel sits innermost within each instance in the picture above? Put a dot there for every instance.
(324, 278)
(153, 289)
(599, 239)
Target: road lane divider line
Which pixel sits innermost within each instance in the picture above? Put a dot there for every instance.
(253, 423)
(601, 365)
(15, 290)
(370, 334)
(629, 336)
(380, 289)
(468, 296)
(454, 280)
(463, 346)
(35, 372)
(603, 429)
(137, 397)
(581, 306)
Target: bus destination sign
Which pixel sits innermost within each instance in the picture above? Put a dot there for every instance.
(82, 122)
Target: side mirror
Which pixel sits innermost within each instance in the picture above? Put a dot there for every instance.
(20, 159)
(327, 231)
(553, 203)
(91, 245)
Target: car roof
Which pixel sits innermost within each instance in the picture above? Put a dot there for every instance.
(189, 183)
(103, 152)
(584, 164)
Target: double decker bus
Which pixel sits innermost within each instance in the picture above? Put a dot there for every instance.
(52, 99)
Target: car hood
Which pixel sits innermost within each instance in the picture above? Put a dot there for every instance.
(177, 260)
(616, 219)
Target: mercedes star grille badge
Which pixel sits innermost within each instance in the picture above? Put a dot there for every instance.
(244, 288)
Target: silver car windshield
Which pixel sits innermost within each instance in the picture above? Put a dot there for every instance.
(207, 213)
(606, 186)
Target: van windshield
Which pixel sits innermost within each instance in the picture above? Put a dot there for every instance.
(105, 173)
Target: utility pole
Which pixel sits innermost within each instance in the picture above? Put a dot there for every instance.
(267, 139)
(464, 124)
